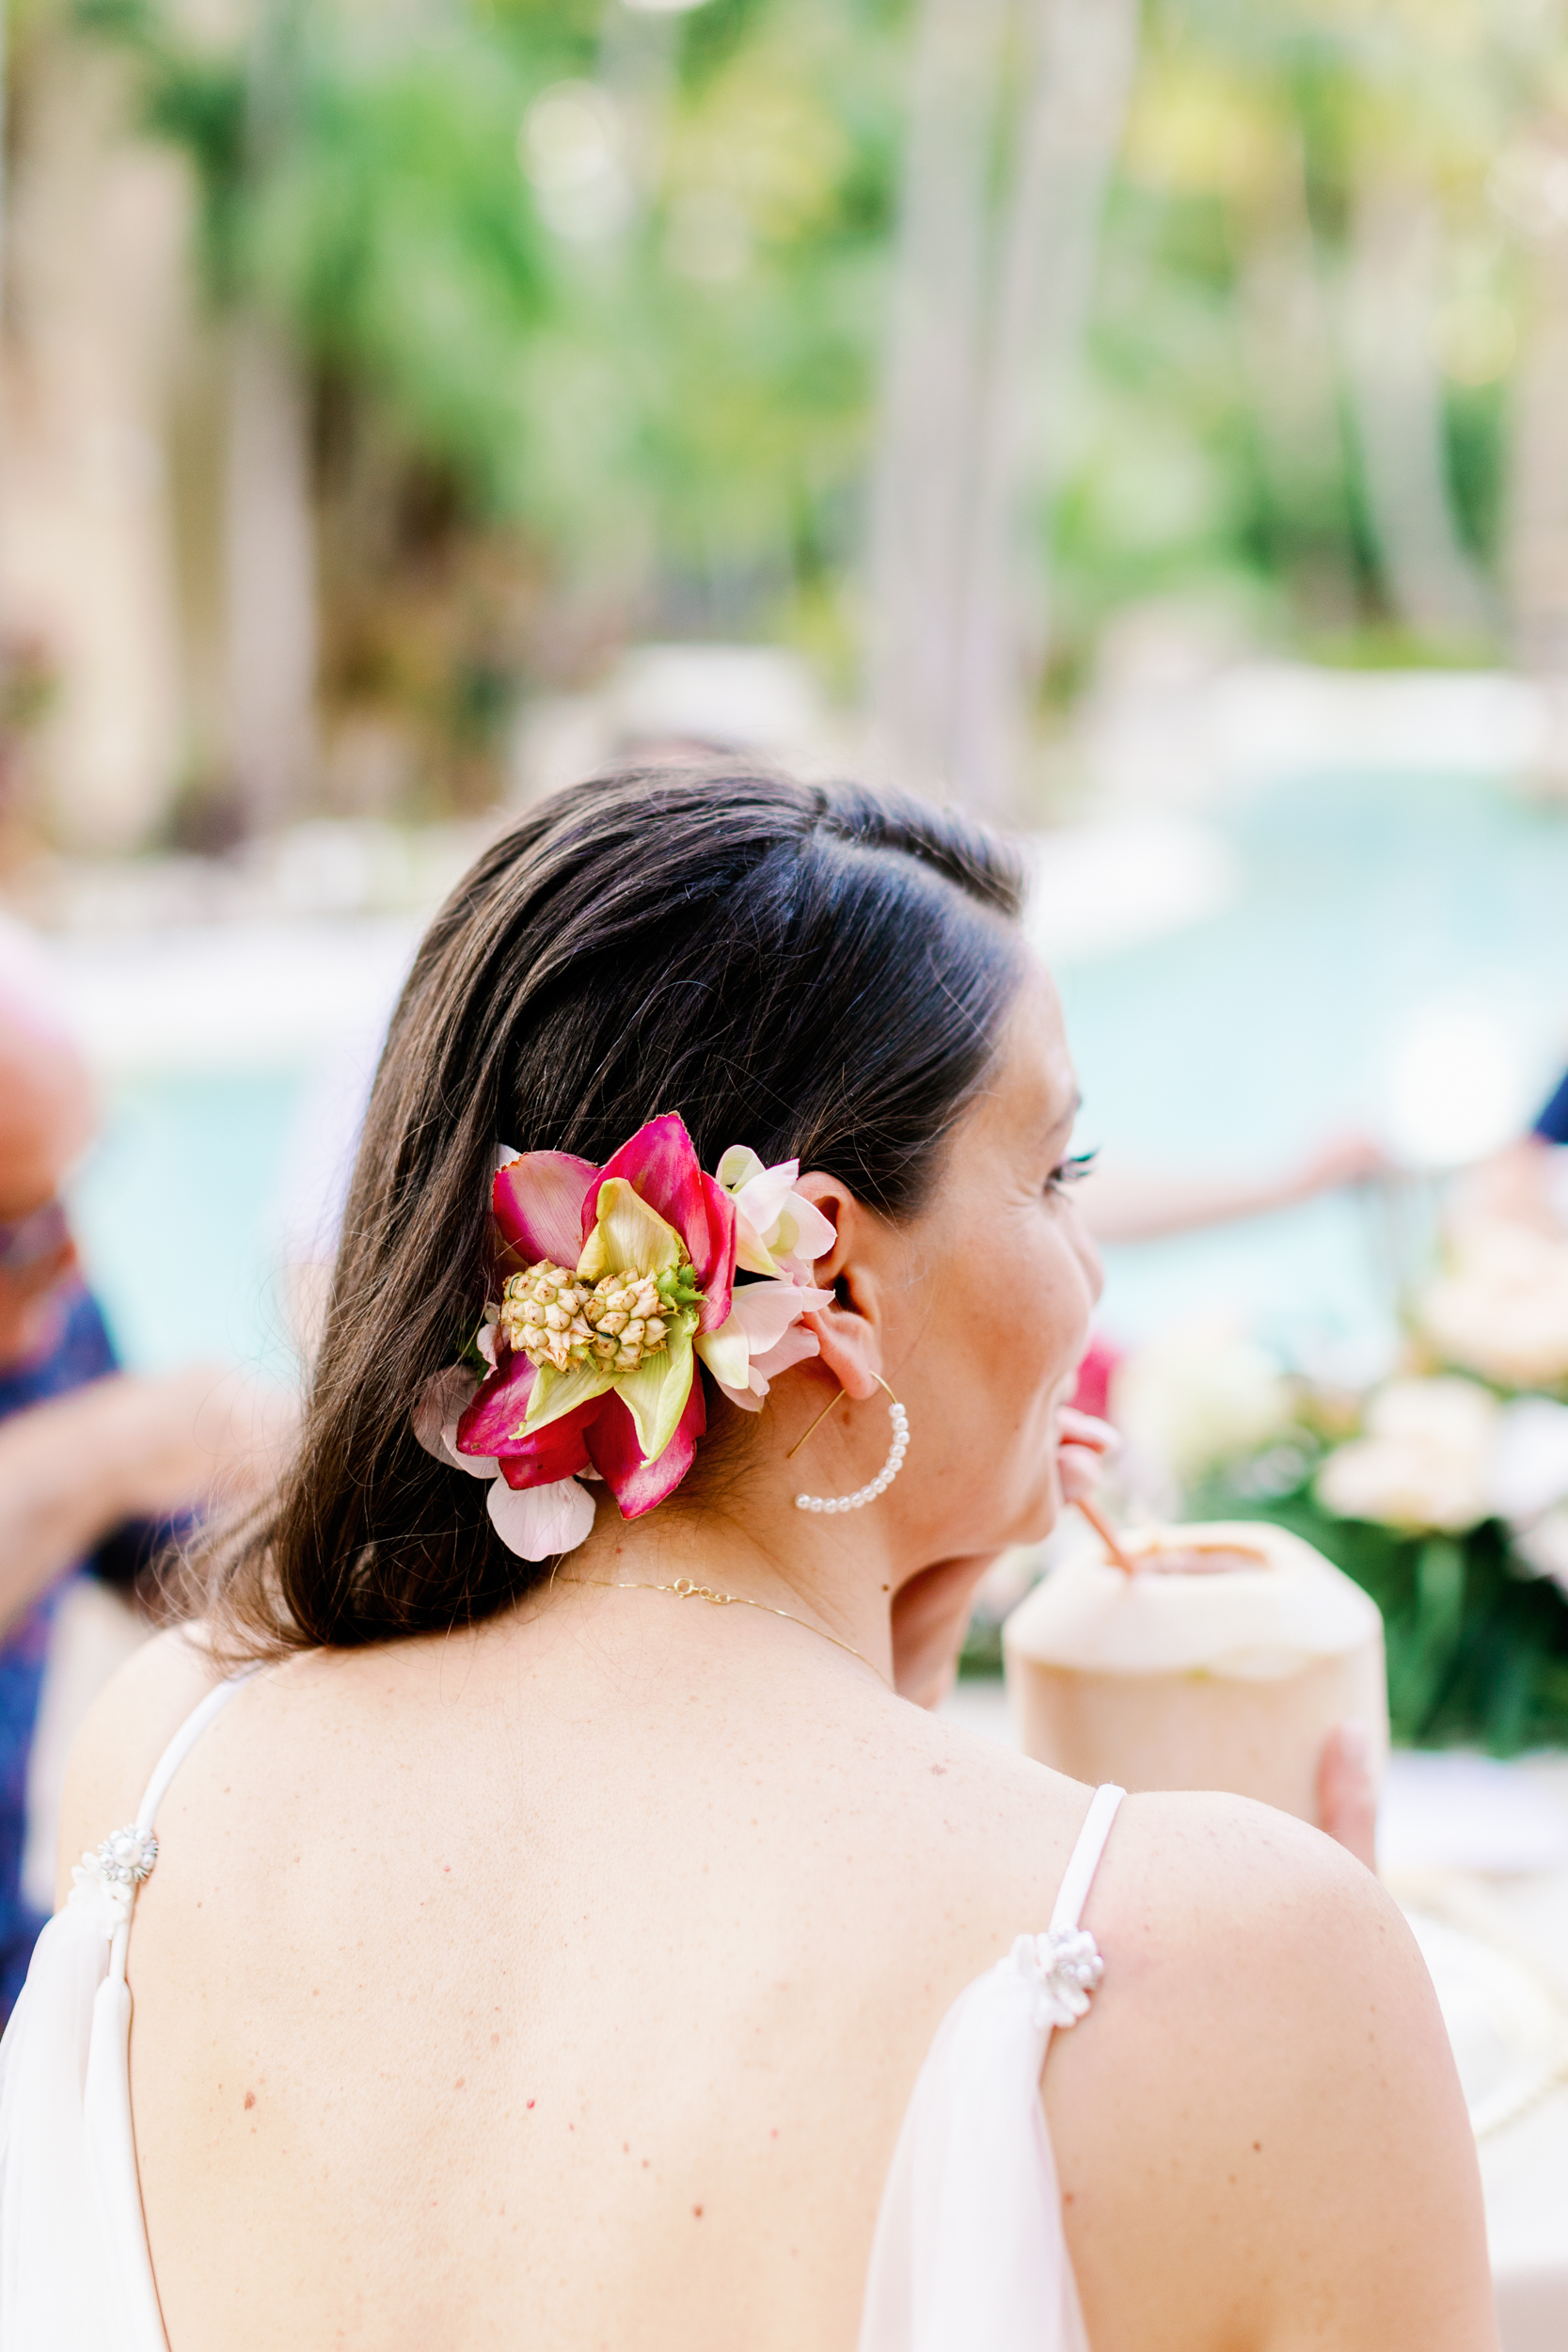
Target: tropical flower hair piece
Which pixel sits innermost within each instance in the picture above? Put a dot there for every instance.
(615, 1283)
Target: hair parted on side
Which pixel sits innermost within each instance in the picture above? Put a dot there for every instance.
(820, 972)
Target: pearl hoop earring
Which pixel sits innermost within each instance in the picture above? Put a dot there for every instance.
(885, 1476)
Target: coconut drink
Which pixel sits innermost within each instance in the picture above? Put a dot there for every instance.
(1221, 1657)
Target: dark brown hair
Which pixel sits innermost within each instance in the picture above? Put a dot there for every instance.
(821, 973)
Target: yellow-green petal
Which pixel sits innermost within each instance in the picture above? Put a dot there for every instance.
(654, 1395)
(559, 1392)
(727, 1354)
(738, 1165)
(628, 1238)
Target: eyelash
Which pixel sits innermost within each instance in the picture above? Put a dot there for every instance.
(1071, 1171)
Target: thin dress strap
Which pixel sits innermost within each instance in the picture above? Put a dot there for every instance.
(1083, 1861)
(183, 1742)
(164, 1770)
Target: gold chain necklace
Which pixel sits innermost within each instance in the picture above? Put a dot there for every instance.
(684, 1589)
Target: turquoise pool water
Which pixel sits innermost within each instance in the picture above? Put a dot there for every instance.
(1363, 902)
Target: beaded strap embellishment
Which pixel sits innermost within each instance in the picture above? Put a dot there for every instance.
(1065, 1966)
(106, 1882)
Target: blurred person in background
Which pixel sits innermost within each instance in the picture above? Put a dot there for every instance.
(98, 1467)
(1526, 1184)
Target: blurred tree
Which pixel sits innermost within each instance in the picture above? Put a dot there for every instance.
(563, 323)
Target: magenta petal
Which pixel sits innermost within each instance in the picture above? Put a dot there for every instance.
(659, 1164)
(495, 1413)
(538, 1205)
(715, 1266)
(639, 1485)
(493, 1421)
(557, 1451)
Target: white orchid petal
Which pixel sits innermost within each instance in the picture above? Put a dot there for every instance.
(536, 1522)
(505, 1154)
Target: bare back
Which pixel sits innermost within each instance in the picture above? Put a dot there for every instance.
(565, 1982)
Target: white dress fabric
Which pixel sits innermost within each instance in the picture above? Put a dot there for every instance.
(969, 2249)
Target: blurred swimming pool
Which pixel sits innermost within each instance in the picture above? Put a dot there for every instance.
(1370, 912)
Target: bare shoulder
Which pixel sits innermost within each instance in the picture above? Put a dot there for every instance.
(132, 1722)
(1264, 2057)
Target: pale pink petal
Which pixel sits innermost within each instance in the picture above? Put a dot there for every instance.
(443, 1398)
(814, 1234)
(536, 1522)
(796, 1344)
(538, 1203)
(748, 1400)
(765, 1311)
(760, 1201)
(750, 1252)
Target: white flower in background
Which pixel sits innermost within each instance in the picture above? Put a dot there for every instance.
(1501, 1308)
(1425, 1461)
(1545, 1547)
(1200, 1394)
(1529, 1458)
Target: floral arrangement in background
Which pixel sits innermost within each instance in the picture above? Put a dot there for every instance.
(1442, 1487)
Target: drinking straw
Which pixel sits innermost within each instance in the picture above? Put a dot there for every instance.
(1106, 1533)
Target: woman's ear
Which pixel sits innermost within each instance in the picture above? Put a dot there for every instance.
(849, 1331)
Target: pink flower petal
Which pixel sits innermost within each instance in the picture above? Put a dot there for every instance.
(765, 1311)
(661, 1164)
(443, 1399)
(714, 1262)
(496, 1414)
(557, 1451)
(538, 1205)
(761, 1201)
(638, 1486)
(748, 1400)
(796, 1346)
(814, 1234)
(536, 1522)
(493, 1424)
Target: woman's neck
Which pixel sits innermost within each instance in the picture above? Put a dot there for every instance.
(842, 1589)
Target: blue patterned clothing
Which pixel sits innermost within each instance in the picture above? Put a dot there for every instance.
(83, 1352)
(1552, 1126)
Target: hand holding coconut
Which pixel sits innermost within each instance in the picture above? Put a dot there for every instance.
(1223, 1657)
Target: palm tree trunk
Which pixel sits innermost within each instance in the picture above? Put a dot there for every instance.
(270, 617)
(923, 484)
(1082, 54)
(1397, 393)
(989, 309)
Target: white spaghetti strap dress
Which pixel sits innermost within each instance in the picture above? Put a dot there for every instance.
(968, 2251)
